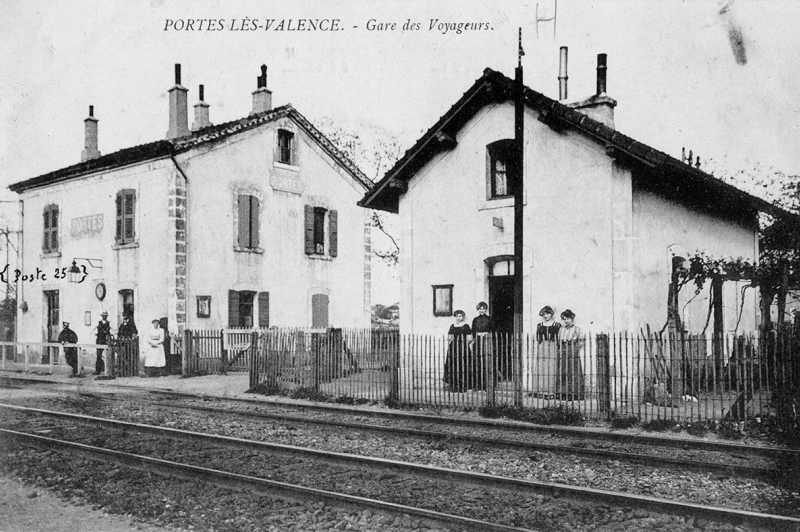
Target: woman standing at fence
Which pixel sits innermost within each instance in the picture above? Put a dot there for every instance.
(547, 343)
(482, 329)
(154, 359)
(455, 367)
(569, 381)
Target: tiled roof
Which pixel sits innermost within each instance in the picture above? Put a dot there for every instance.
(208, 135)
(496, 87)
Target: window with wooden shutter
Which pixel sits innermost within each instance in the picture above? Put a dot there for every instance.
(248, 215)
(263, 310)
(319, 311)
(233, 308)
(333, 246)
(309, 230)
(319, 230)
(50, 234)
(126, 216)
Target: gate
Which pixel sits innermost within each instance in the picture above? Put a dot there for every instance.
(125, 354)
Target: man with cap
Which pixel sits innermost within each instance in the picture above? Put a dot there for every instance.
(68, 336)
(103, 332)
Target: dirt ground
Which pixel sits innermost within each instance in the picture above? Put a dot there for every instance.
(27, 509)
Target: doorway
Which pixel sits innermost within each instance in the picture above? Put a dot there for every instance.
(52, 320)
(501, 308)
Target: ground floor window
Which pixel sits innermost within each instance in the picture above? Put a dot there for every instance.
(319, 311)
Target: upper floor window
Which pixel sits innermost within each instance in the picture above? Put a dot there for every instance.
(321, 231)
(285, 150)
(248, 210)
(50, 237)
(500, 182)
(126, 211)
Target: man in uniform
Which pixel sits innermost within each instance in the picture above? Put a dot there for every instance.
(68, 336)
(103, 332)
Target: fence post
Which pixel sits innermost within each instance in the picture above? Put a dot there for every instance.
(490, 370)
(394, 368)
(603, 376)
(187, 334)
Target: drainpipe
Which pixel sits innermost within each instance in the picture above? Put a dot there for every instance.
(186, 233)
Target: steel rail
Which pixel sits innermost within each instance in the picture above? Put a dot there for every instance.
(577, 432)
(650, 459)
(237, 481)
(577, 493)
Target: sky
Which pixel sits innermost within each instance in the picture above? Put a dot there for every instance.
(721, 78)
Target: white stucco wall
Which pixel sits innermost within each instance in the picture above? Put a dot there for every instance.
(593, 243)
(244, 164)
(448, 229)
(662, 224)
(142, 268)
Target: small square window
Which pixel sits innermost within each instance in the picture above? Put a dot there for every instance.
(443, 300)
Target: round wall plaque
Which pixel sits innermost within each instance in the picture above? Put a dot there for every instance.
(100, 291)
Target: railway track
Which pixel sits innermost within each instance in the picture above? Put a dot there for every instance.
(326, 413)
(433, 482)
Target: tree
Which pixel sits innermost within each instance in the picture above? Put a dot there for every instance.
(374, 150)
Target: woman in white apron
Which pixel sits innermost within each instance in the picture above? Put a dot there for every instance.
(154, 358)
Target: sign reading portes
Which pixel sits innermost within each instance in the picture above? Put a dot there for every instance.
(87, 225)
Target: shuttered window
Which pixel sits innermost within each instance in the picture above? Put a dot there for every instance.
(319, 311)
(240, 308)
(248, 210)
(263, 310)
(316, 218)
(50, 236)
(443, 300)
(126, 212)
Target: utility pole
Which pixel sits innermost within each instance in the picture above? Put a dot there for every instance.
(519, 188)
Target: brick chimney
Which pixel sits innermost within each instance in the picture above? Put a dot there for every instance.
(90, 144)
(201, 113)
(262, 97)
(178, 108)
(599, 107)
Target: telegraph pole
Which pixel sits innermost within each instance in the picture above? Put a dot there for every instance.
(519, 188)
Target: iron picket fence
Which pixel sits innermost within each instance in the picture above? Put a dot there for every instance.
(649, 376)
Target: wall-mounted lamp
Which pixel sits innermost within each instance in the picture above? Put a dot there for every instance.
(77, 274)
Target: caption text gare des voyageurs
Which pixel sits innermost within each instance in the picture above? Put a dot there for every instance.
(318, 24)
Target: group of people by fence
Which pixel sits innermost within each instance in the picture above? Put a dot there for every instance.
(154, 359)
(558, 371)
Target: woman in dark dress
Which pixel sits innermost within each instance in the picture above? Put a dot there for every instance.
(482, 328)
(547, 343)
(455, 367)
(569, 384)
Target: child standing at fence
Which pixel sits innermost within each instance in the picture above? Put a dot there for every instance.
(154, 359)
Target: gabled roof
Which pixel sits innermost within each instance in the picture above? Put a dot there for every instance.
(664, 171)
(209, 135)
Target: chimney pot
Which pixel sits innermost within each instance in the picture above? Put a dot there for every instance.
(178, 108)
(601, 73)
(562, 74)
(201, 119)
(262, 97)
(90, 137)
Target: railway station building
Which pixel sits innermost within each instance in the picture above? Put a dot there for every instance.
(249, 223)
(606, 218)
